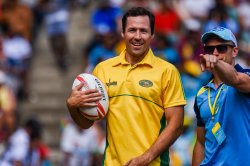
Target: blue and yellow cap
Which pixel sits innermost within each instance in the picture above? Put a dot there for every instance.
(221, 32)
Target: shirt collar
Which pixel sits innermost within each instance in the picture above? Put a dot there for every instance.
(211, 84)
(147, 60)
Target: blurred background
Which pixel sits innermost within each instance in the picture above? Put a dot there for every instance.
(45, 44)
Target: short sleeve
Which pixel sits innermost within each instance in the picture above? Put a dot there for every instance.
(173, 93)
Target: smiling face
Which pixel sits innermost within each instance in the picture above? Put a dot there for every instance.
(137, 37)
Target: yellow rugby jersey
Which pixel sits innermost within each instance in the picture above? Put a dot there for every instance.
(138, 95)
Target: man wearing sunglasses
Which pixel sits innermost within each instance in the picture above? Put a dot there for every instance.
(222, 106)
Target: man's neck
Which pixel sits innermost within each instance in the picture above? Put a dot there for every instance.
(217, 81)
(134, 59)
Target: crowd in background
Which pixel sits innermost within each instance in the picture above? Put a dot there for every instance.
(178, 28)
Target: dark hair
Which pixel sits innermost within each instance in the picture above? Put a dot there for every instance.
(35, 128)
(138, 11)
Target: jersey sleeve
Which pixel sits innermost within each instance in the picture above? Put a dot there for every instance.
(240, 69)
(173, 93)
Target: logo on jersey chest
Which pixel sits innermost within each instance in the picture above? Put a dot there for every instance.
(145, 83)
(111, 83)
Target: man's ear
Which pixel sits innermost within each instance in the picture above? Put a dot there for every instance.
(153, 36)
(235, 52)
(122, 34)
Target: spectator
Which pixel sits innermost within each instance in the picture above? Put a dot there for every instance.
(164, 48)
(102, 51)
(189, 46)
(220, 16)
(78, 145)
(18, 17)
(23, 144)
(167, 21)
(244, 35)
(17, 53)
(7, 108)
(105, 19)
(57, 21)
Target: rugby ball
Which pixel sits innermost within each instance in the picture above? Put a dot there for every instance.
(92, 82)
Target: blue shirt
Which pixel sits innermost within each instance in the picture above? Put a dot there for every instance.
(104, 20)
(100, 53)
(234, 117)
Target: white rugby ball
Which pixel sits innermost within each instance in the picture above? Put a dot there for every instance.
(92, 82)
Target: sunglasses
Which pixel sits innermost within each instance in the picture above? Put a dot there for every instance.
(221, 48)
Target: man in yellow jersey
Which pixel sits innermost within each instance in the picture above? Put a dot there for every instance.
(146, 98)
